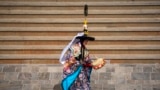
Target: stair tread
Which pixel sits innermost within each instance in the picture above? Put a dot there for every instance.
(97, 29)
(90, 47)
(70, 37)
(106, 3)
(79, 20)
(80, 12)
(56, 56)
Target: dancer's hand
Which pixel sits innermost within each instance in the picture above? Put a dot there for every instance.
(98, 63)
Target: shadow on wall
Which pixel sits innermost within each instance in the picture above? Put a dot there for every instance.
(57, 87)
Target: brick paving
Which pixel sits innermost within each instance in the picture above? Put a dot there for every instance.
(110, 77)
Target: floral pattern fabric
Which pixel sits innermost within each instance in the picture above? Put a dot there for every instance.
(82, 82)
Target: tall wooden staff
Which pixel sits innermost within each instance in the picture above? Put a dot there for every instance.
(85, 32)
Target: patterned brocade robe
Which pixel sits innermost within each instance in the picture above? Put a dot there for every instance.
(77, 76)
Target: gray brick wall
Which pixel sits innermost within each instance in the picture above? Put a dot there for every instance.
(110, 77)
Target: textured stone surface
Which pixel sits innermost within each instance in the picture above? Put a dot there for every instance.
(18, 69)
(36, 87)
(3, 83)
(1, 76)
(130, 81)
(24, 76)
(15, 82)
(95, 75)
(156, 69)
(26, 82)
(141, 76)
(43, 76)
(43, 69)
(155, 76)
(11, 76)
(147, 69)
(47, 87)
(133, 87)
(1, 68)
(57, 87)
(147, 87)
(105, 76)
(55, 69)
(127, 65)
(35, 69)
(27, 87)
(97, 86)
(56, 75)
(110, 69)
(156, 87)
(121, 87)
(110, 77)
(138, 68)
(12, 85)
(9, 68)
(108, 87)
(34, 76)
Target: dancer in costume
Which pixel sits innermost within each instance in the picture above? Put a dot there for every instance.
(77, 62)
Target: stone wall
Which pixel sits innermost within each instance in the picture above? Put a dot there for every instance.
(110, 77)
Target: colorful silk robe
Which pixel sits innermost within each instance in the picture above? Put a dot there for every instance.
(77, 76)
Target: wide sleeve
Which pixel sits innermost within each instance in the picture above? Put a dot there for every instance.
(70, 56)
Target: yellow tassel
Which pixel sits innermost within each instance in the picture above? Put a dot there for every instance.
(85, 22)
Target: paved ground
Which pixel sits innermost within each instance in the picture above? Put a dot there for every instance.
(110, 77)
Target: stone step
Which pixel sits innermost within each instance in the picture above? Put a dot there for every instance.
(79, 20)
(35, 30)
(55, 62)
(70, 38)
(80, 16)
(62, 33)
(80, 12)
(90, 47)
(80, 7)
(106, 3)
(56, 56)
(138, 24)
(77, 0)
(98, 51)
(75, 29)
(65, 42)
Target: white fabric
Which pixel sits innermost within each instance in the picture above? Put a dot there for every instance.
(74, 40)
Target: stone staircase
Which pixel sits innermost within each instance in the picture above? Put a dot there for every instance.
(36, 31)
